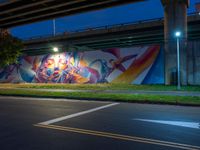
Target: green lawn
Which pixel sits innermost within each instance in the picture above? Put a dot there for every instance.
(101, 87)
(183, 100)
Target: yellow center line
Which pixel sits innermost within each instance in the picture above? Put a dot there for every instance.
(120, 137)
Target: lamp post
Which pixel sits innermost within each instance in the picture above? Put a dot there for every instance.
(178, 35)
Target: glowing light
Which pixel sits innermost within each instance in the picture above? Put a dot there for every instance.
(177, 33)
(55, 49)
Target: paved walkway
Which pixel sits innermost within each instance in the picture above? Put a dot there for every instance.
(172, 93)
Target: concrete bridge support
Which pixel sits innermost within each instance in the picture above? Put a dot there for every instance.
(175, 19)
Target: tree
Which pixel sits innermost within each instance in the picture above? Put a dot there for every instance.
(10, 50)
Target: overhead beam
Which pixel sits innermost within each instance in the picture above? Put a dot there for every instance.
(8, 2)
(17, 16)
(128, 45)
(14, 9)
(38, 10)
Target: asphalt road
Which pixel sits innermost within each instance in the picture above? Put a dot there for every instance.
(53, 124)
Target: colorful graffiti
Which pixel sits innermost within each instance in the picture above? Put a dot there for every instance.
(136, 65)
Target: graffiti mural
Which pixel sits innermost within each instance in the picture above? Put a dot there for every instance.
(136, 65)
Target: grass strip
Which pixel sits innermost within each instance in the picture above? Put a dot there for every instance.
(105, 86)
(139, 98)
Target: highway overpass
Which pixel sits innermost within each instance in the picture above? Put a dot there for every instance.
(122, 35)
(19, 12)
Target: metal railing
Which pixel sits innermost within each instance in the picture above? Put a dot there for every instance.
(99, 28)
(94, 28)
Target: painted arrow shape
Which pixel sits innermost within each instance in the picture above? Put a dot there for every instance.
(193, 125)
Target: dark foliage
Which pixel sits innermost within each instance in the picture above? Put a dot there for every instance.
(10, 50)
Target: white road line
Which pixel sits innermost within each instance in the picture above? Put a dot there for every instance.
(77, 114)
(194, 125)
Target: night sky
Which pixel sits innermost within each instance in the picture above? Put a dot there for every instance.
(122, 14)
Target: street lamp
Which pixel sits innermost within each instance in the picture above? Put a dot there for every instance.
(178, 35)
(55, 49)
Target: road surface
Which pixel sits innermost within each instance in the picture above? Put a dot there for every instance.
(58, 124)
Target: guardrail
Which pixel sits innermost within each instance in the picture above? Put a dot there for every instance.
(99, 28)
(94, 28)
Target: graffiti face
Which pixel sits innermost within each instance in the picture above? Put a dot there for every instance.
(56, 62)
(52, 68)
(112, 65)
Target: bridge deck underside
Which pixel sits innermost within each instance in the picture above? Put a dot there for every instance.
(18, 12)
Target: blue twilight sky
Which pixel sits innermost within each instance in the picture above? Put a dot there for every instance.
(121, 14)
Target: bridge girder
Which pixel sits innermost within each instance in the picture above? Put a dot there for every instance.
(19, 12)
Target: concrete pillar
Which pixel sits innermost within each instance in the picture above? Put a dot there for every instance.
(175, 18)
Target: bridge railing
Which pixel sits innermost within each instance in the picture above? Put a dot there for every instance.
(98, 28)
(93, 29)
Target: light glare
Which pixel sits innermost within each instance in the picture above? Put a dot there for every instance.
(178, 34)
(55, 49)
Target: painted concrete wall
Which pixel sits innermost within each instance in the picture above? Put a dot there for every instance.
(135, 65)
(193, 59)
